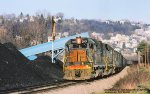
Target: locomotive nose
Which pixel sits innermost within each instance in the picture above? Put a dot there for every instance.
(78, 72)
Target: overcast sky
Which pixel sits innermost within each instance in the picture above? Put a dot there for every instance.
(134, 10)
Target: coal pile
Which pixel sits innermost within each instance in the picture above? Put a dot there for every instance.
(16, 71)
(52, 70)
(15, 51)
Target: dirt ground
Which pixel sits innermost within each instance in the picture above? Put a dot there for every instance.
(90, 87)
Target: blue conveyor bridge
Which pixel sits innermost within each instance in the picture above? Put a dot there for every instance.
(58, 45)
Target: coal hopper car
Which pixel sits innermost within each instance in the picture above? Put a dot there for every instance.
(87, 58)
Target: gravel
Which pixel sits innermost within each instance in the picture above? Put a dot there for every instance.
(97, 86)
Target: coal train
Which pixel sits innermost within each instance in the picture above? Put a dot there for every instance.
(87, 58)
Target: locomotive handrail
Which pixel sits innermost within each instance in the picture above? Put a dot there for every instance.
(89, 59)
(106, 60)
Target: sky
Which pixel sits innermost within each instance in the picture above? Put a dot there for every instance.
(133, 10)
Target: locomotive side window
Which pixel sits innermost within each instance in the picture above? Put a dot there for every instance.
(91, 46)
(83, 45)
(106, 46)
(68, 47)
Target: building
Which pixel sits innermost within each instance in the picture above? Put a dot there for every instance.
(58, 36)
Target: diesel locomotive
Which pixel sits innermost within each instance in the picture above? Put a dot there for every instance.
(87, 58)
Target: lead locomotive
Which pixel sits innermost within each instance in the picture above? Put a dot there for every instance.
(87, 58)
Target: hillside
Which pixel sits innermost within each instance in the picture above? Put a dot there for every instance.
(24, 30)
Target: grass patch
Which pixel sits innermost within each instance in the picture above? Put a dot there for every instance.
(137, 81)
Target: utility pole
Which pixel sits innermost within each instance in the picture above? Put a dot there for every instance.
(139, 60)
(54, 20)
(53, 36)
(145, 55)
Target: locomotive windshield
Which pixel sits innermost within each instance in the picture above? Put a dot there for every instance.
(79, 43)
(75, 46)
(83, 45)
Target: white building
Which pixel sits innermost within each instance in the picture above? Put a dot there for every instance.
(65, 34)
(31, 19)
(96, 35)
(58, 36)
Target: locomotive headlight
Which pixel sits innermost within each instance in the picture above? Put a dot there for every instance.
(78, 40)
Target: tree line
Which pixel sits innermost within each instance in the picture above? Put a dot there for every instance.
(25, 30)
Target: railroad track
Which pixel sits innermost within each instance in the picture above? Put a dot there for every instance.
(30, 88)
(41, 88)
(44, 88)
(50, 86)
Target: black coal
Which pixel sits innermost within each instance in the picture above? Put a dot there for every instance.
(16, 71)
